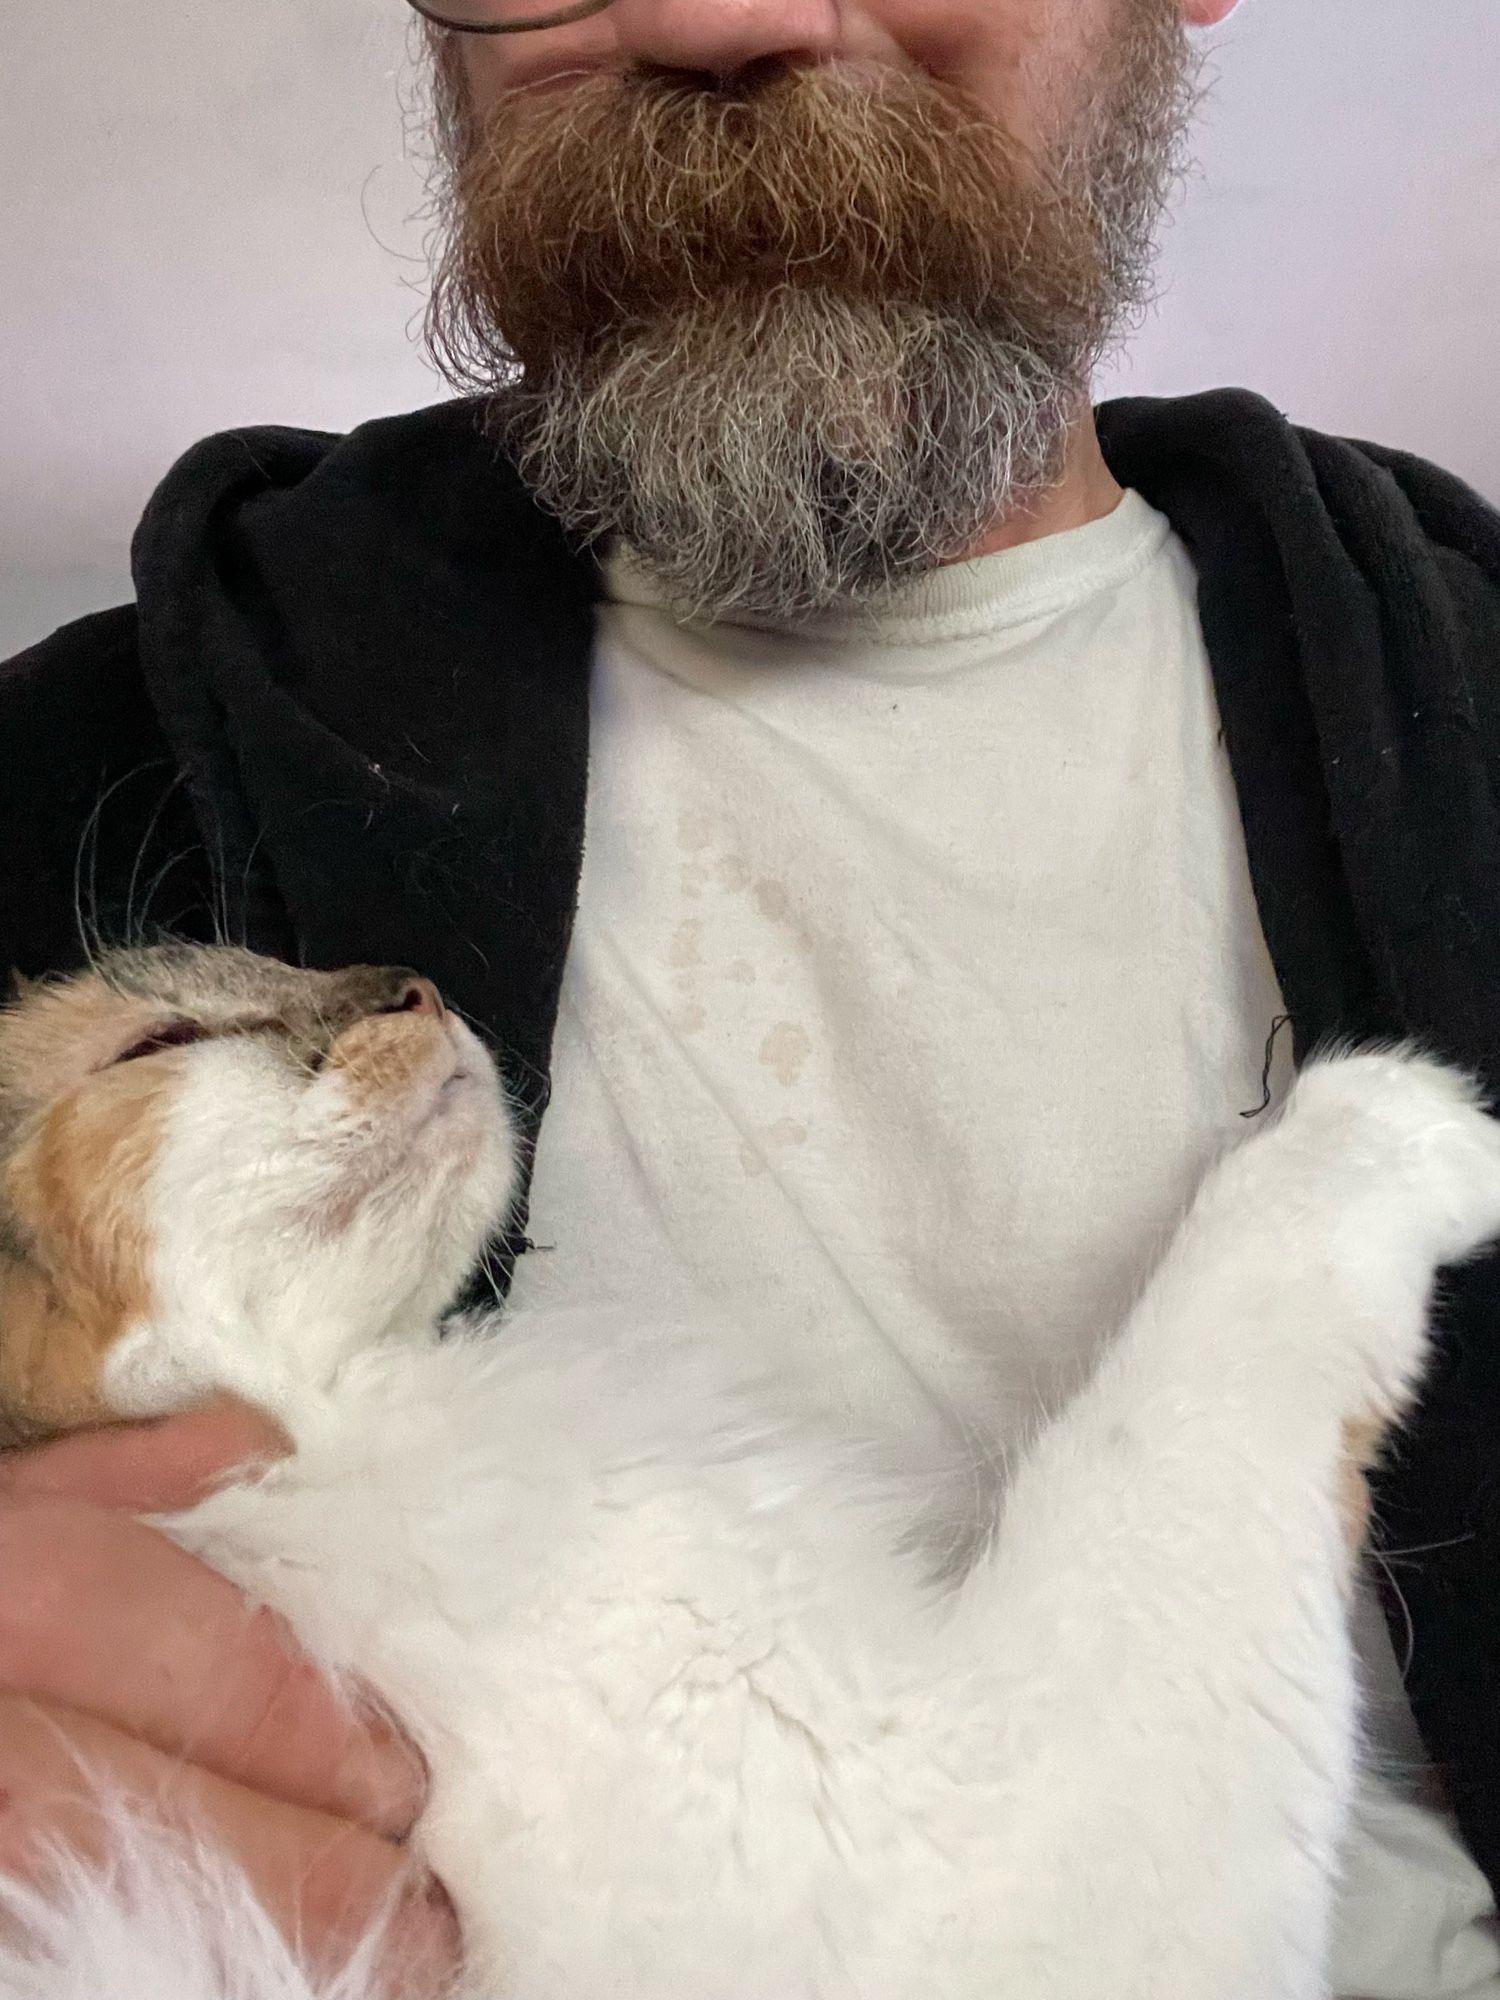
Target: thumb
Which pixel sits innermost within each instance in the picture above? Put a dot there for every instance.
(149, 1468)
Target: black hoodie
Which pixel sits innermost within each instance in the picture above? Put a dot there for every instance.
(348, 720)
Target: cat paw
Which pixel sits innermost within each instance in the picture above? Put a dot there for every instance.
(1383, 1168)
(1406, 1144)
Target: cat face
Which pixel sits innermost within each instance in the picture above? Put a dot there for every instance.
(219, 1171)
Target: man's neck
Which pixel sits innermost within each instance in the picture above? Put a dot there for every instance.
(1087, 491)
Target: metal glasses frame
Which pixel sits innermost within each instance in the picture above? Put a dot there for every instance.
(558, 18)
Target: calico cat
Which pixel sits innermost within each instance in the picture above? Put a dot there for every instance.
(702, 1722)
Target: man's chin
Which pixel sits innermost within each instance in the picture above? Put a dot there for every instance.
(774, 457)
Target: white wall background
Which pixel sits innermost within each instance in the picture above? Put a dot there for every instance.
(210, 218)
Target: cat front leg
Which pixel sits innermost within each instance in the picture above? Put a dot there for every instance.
(1165, 1611)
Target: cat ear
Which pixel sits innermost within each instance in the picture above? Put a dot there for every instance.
(51, 1360)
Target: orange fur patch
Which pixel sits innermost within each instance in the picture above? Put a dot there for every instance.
(78, 1184)
(386, 1054)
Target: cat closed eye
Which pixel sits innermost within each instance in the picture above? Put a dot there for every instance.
(172, 1035)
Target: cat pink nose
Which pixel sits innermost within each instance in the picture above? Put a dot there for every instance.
(418, 996)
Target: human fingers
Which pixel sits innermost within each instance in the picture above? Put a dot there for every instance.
(107, 1616)
(150, 1468)
(71, 1782)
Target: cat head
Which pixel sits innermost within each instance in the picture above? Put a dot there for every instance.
(217, 1171)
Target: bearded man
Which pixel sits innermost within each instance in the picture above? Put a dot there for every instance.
(977, 784)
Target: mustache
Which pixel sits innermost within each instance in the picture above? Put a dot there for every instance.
(590, 209)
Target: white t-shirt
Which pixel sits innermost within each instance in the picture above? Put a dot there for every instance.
(917, 976)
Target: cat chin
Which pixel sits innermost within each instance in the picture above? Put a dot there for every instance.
(287, 1235)
(277, 1325)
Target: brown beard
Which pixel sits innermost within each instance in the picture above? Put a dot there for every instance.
(799, 335)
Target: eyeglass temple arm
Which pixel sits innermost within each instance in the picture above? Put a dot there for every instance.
(558, 18)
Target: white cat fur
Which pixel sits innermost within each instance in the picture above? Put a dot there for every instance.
(698, 1728)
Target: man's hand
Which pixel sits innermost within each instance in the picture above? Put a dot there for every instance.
(123, 1654)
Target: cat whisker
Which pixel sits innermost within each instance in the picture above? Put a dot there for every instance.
(142, 848)
(1409, 1647)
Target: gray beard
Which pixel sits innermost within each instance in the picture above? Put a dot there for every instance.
(774, 456)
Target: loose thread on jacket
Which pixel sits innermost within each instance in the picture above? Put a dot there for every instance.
(1281, 1021)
